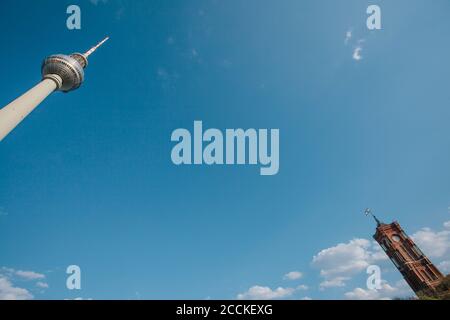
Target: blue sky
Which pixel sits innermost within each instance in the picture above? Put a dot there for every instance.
(87, 178)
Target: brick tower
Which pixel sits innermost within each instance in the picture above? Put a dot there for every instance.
(418, 271)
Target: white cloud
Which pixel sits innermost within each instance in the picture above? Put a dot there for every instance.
(362, 294)
(306, 298)
(348, 36)
(96, 2)
(293, 275)
(5, 270)
(357, 53)
(434, 244)
(377, 254)
(334, 282)
(265, 293)
(42, 285)
(25, 275)
(343, 258)
(347, 258)
(302, 287)
(358, 47)
(9, 292)
(447, 225)
(386, 292)
(29, 275)
(337, 264)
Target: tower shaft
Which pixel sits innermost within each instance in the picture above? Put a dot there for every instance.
(12, 114)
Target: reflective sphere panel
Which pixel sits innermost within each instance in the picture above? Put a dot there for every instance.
(68, 68)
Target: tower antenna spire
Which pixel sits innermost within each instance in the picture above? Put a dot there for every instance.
(368, 212)
(91, 50)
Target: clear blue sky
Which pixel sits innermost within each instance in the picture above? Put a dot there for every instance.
(87, 178)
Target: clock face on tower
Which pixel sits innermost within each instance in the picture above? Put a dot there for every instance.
(396, 238)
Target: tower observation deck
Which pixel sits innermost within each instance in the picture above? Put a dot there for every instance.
(59, 73)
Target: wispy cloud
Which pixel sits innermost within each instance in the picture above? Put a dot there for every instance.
(29, 275)
(96, 2)
(357, 53)
(293, 275)
(358, 45)
(335, 282)
(386, 292)
(24, 275)
(348, 36)
(42, 285)
(436, 244)
(258, 292)
(9, 292)
(265, 293)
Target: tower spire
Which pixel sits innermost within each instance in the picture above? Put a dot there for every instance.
(368, 212)
(91, 50)
(82, 58)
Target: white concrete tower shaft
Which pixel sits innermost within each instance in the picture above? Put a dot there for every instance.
(59, 72)
(12, 114)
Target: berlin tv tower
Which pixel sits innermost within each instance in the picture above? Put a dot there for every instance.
(59, 72)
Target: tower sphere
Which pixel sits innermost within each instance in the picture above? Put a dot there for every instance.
(68, 68)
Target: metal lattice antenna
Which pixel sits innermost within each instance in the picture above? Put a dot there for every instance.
(91, 50)
(368, 212)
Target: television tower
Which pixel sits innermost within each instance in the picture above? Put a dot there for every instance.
(59, 73)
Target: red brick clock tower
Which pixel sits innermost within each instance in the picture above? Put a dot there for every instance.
(419, 272)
